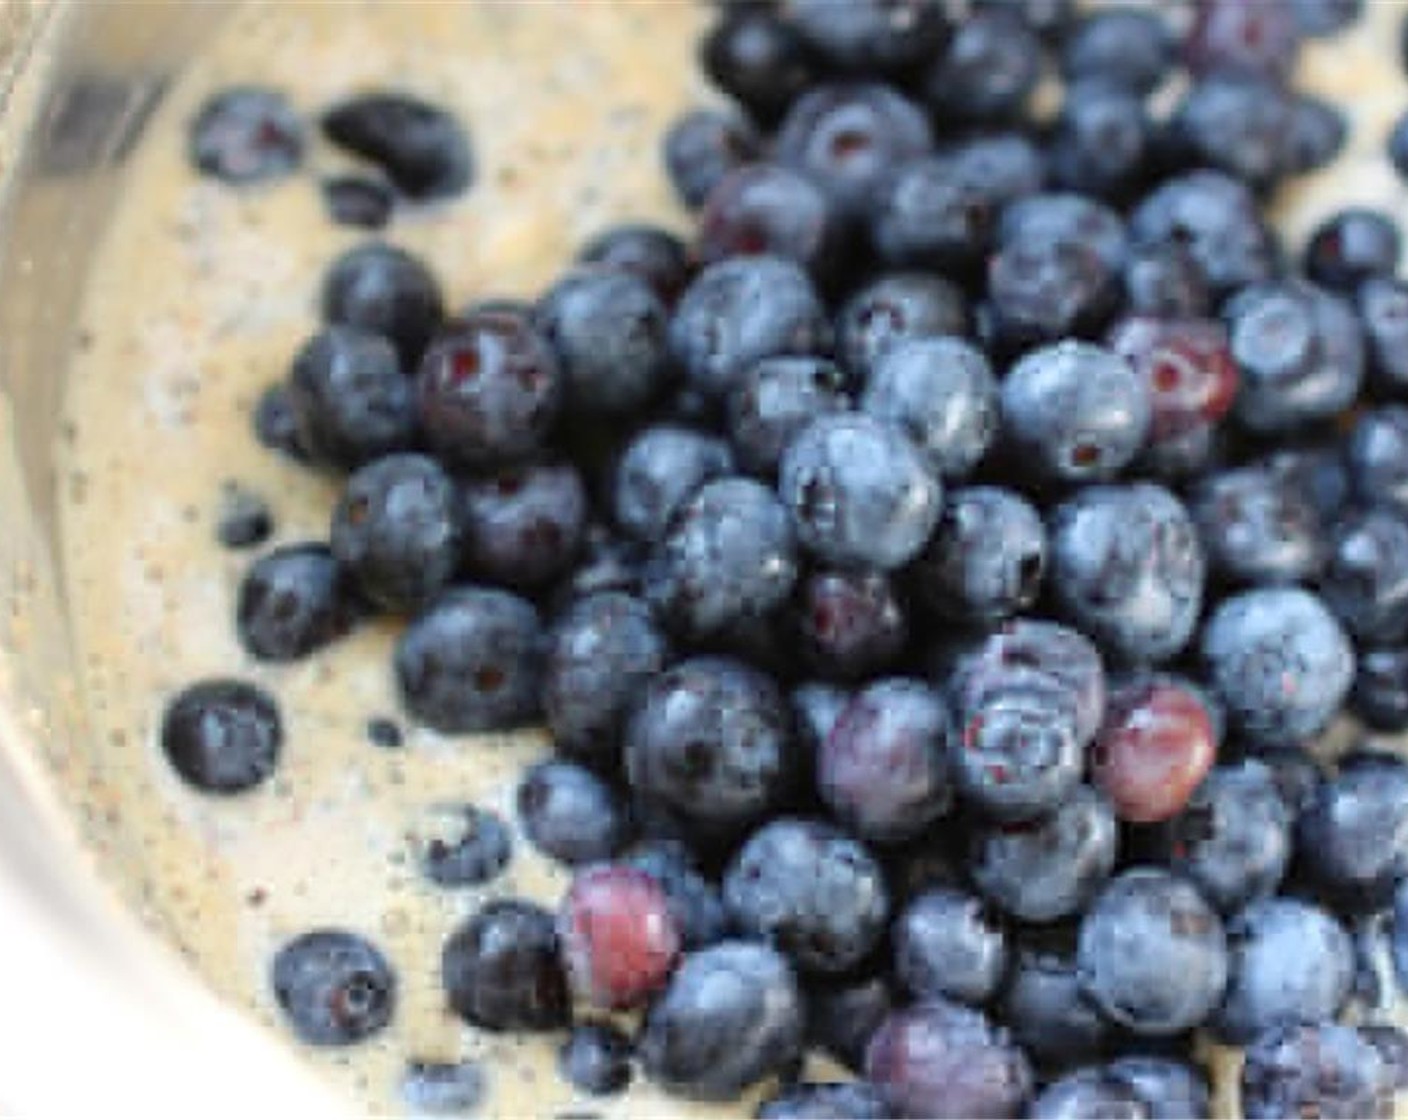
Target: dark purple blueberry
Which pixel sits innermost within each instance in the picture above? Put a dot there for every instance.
(471, 662)
(845, 1100)
(1232, 35)
(422, 149)
(1319, 132)
(222, 736)
(1126, 46)
(489, 390)
(1005, 165)
(246, 134)
(1170, 1089)
(1352, 838)
(987, 73)
(951, 945)
(1153, 953)
(385, 733)
(1233, 838)
(1365, 581)
(811, 892)
(731, 1016)
(1049, 1015)
(1392, 1045)
(851, 624)
(1075, 412)
(334, 987)
(1088, 1094)
(891, 309)
(1380, 693)
(660, 470)
(927, 214)
(940, 392)
(1238, 123)
(884, 770)
(1326, 18)
(738, 312)
(1128, 568)
(523, 527)
(275, 423)
(349, 400)
(702, 148)
(608, 329)
(595, 1059)
(1279, 663)
(443, 1088)
(843, 1015)
(1103, 140)
(1165, 282)
(728, 559)
(759, 58)
(1317, 1069)
(1066, 218)
(767, 209)
(1289, 962)
(1351, 246)
(848, 136)
(396, 529)
(655, 255)
(357, 201)
(1376, 456)
(871, 36)
(1383, 309)
(1258, 525)
(464, 846)
(693, 901)
(379, 288)
(570, 814)
(244, 519)
(941, 1059)
(294, 601)
(711, 740)
(776, 399)
(502, 969)
(859, 492)
(1041, 293)
(599, 654)
(985, 561)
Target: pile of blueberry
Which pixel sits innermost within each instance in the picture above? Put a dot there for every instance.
(937, 575)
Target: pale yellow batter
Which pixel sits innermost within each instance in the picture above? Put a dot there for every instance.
(200, 297)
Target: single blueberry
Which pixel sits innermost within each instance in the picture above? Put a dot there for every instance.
(655, 255)
(1383, 309)
(851, 624)
(245, 135)
(988, 71)
(1352, 838)
(294, 601)
(596, 1059)
(1352, 246)
(1131, 47)
(1049, 1014)
(1365, 581)
(384, 290)
(358, 201)
(660, 470)
(570, 814)
(950, 944)
(443, 1088)
(422, 148)
(1104, 140)
(222, 736)
(1315, 1069)
(871, 36)
(502, 969)
(1380, 693)
(1258, 524)
(702, 148)
(760, 58)
(523, 527)
(334, 987)
(768, 209)
(926, 214)
(463, 846)
(1088, 1094)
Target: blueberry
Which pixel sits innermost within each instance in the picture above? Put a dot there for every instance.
(608, 329)
(275, 423)
(1325, 18)
(693, 901)
(570, 814)
(1376, 456)
(1314, 1069)
(738, 312)
(810, 891)
(1364, 578)
(357, 201)
(711, 740)
(1392, 1046)
(1043, 292)
(334, 987)
(422, 148)
(859, 492)
(1076, 412)
(465, 846)
(1397, 146)
(776, 399)
(871, 36)
(951, 945)
(650, 253)
(1352, 838)
(1165, 282)
(1153, 954)
(892, 308)
(1103, 141)
(1216, 219)
(599, 654)
(471, 662)
(927, 214)
(294, 601)
(246, 135)
(760, 59)
(852, 624)
(1229, 35)
(987, 73)
(765, 208)
(1300, 351)
(1005, 165)
(1383, 309)
(1352, 246)
(847, 136)
(847, 1100)
(1131, 47)
(1050, 1016)
(1290, 962)
(941, 1059)
(702, 148)
(384, 733)
(940, 392)
(443, 1088)
(1279, 663)
(1318, 134)
(222, 736)
(1088, 1094)
(1066, 218)
(1259, 525)
(1380, 693)
(1238, 123)
(385, 290)
(596, 1059)
(1128, 568)
(396, 529)
(244, 519)
(883, 770)
(349, 401)
(618, 933)
(523, 527)
(660, 470)
(489, 390)
(731, 1016)
(728, 559)
(842, 1016)
(1170, 1089)
(986, 560)
(502, 969)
